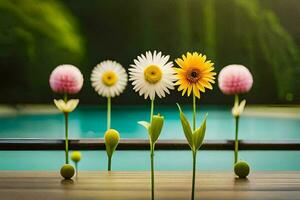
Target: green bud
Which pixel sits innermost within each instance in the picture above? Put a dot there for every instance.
(238, 109)
(198, 135)
(112, 138)
(242, 169)
(76, 156)
(67, 171)
(155, 127)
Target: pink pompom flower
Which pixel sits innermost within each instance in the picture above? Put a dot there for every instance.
(235, 79)
(66, 79)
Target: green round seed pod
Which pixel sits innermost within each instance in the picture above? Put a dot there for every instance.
(242, 169)
(76, 156)
(67, 171)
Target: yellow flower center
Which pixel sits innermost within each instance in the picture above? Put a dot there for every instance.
(109, 78)
(152, 74)
(193, 75)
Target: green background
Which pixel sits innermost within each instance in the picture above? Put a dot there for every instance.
(36, 36)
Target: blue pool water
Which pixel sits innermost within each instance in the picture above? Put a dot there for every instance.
(139, 160)
(90, 122)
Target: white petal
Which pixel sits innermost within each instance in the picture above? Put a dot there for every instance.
(140, 85)
(104, 90)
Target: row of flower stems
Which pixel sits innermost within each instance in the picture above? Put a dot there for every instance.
(153, 75)
(152, 145)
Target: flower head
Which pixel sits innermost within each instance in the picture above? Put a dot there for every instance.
(66, 107)
(235, 79)
(109, 78)
(66, 79)
(152, 75)
(194, 74)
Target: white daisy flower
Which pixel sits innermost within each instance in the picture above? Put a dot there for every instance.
(152, 75)
(109, 78)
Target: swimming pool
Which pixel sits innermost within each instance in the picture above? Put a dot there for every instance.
(139, 160)
(90, 122)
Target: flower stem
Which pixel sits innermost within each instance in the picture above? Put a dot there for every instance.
(194, 112)
(152, 169)
(66, 131)
(236, 143)
(108, 127)
(65, 97)
(194, 151)
(109, 163)
(66, 138)
(236, 100)
(76, 169)
(151, 110)
(152, 153)
(108, 112)
(194, 174)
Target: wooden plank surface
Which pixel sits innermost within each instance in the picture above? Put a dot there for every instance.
(32, 185)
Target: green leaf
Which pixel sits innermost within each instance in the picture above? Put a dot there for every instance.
(156, 127)
(198, 135)
(186, 127)
(144, 124)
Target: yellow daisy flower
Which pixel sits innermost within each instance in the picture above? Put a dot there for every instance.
(195, 73)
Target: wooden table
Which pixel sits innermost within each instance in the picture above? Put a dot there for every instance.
(32, 185)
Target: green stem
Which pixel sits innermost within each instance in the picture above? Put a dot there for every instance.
(236, 99)
(194, 151)
(108, 127)
(76, 169)
(194, 174)
(194, 112)
(65, 97)
(109, 163)
(236, 143)
(152, 169)
(152, 153)
(151, 110)
(108, 112)
(66, 138)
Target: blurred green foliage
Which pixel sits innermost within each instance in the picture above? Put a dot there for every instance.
(36, 36)
(267, 42)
